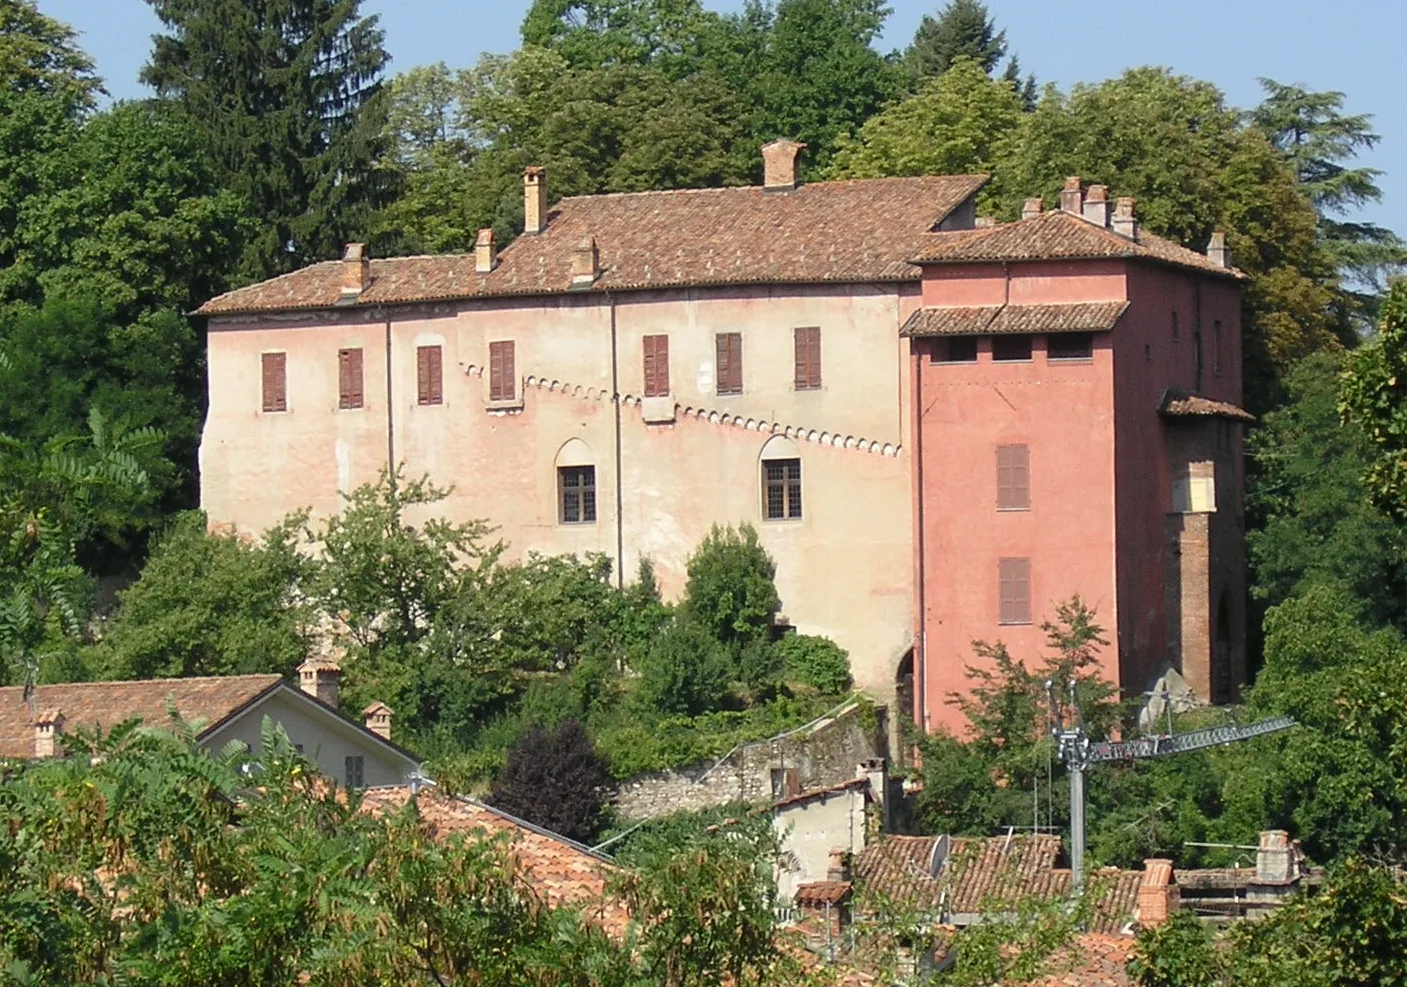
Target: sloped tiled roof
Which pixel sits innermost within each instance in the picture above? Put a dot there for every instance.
(1185, 404)
(1094, 959)
(210, 700)
(980, 870)
(563, 872)
(822, 893)
(849, 231)
(982, 320)
(1059, 235)
(818, 793)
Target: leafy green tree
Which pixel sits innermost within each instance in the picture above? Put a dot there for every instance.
(1321, 141)
(1372, 399)
(730, 590)
(815, 661)
(592, 34)
(1314, 520)
(956, 124)
(556, 779)
(210, 604)
(685, 672)
(286, 94)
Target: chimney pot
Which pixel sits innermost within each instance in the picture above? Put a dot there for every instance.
(1071, 197)
(1158, 895)
(534, 199)
(779, 164)
(1125, 223)
(320, 678)
(48, 726)
(485, 252)
(356, 270)
(378, 719)
(586, 263)
(1032, 207)
(1096, 207)
(1217, 252)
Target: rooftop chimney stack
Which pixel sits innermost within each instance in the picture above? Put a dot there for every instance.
(586, 263)
(779, 165)
(356, 271)
(1158, 895)
(378, 719)
(838, 865)
(1217, 252)
(485, 252)
(1097, 205)
(48, 726)
(1124, 223)
(1276, 860)
(1071, 197)
(1032, 207)
(320, 678)
(534, 199)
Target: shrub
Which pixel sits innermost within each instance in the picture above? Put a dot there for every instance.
(686, 671)
(556, 779)
(730, 592)
(815, 661)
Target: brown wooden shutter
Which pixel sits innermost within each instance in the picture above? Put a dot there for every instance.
(429, 379)
(349, 379)
(730, 362)
(807, 358)
(275, 381)
(437, 375)
(1013, 478)
(1015, 577)
(502, 383)
(656, 366)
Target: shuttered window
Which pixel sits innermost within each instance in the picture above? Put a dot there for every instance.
(349, 379)
(808, 358)
(656, 366)
(429, 375)
(1217, 345)
(576, 494)
(275, 367)
(355, 770)
(1015, 576)
(1013, 478)
(781, 488)
(503, 382)
(730, 362)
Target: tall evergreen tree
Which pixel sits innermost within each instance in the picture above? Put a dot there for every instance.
(963, 29)
(288, 93)
(1321, 142)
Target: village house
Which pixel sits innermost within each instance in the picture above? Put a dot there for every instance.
(219, 710)
(637, 368)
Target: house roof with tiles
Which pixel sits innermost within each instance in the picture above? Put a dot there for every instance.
(996, 320)
(1061, 235)
(563, 872)
(207, 701)
(1185, 404)
(857, 231)
(956, 876)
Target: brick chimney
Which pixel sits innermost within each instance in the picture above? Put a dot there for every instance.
(378, 719)
(779, 165)
(356, 271)
(1277, 861)
(48, 726)
(485, 252)
(838, 864)
(1071, 197)
(1217, 252)
(1158, 895)
(1124, 222)
(320, 678)
(586, 263)
(534, 199)
(1096, 208)
(1032, 207)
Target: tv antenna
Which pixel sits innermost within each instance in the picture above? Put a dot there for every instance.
(1078, 752)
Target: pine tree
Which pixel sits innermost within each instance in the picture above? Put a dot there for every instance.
(963, 28)
(288, 94)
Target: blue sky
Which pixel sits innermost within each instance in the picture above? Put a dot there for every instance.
(1351, 45)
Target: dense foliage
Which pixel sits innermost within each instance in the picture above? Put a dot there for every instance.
(556, 779)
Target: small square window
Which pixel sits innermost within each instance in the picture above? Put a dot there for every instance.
(355, 771)
(576, 494)
(781, 488)
(956, 349)
(1011, 348)
(1069, 346)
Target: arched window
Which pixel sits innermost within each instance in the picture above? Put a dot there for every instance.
(576, 484)
(781, 479)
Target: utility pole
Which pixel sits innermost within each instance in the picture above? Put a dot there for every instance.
(1077, 753)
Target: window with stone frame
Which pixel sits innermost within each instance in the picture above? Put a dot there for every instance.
(576, 494)
(781, 489)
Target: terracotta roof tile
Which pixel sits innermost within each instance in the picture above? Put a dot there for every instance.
(106, 704)
(848, 231)
(816, 793)
(1093, 960)
(563, 872)
(1185, 404)
(982, 320)
(1059, 235)
(822, 893)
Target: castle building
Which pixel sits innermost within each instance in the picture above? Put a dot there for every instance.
(636, 368)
